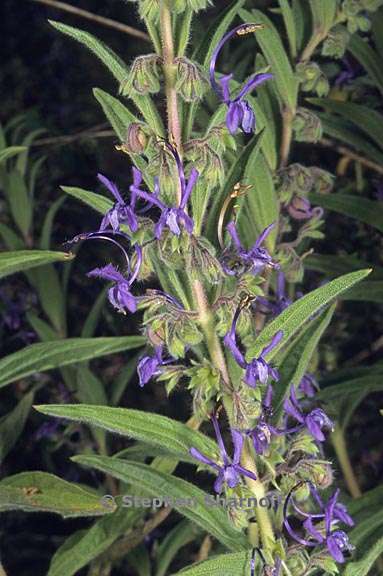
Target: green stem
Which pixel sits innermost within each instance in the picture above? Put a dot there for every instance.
(318, 36)
(340, 447)
(287, 136)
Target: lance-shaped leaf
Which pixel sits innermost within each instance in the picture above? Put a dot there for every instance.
(96, 201)
(368, 211)
(150, 428)
(22, 260)
(12, 424)
(42, 492)
(222, 565)
(290, 25)
(182, 534)
(187, 499)
(275, 54)
(10, 152)
(324, 12)
(48, 355)
(297, 361)
(368, 58)
(295, 316)
(336, 265)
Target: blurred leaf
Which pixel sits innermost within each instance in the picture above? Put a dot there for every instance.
(275, 54)
(12, 424)
(42, 492)
(335, 265)
(162, 485)
(10, 238)
(366, 292)
(295, 316)
(46, 231)
(20, 202)
(10, 152)
(21, 260)
(182, 534)
(118, 386)
(222, 565)
(90, 389)
(147, 427)
(139, 560)
(51, 297)
(22, 160)
(96, 201)
(85, 545)
(368, 58)
(363, 566)
(369, 121)
(91, 321)
(368, 211)
(44, 331)
(49, 355)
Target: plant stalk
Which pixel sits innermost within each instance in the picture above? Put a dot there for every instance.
(340, 447)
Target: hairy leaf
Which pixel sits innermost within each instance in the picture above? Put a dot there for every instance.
(22, 260)
(224, 564)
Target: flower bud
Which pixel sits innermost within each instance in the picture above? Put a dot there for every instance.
(144, 76)
(297, 563)
(295, 179)
(336, 42)
(180, 6)
(307, 126)
(206, 156)
(323, 181)
(136, 139)
(191, 83)
(299, 208)
(318, 471)
(201, 256)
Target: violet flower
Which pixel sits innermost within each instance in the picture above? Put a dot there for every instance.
(336, 541)
(173, 218)
(315, 421)
(230, 470)
(258, 370)
(262, 433)
(256, 258)
(120, 213)
(120, 295)
(239, 111)
(149, 366)
(308, 385)
(281, 301)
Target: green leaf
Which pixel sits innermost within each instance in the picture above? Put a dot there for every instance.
(363, 529)
(296, 363)
(22, 160)
(289, 20)
(162, 485)
(113, 62)
(182, 534)
(368, 211)
(22, 260)
(275, 54)
(42, 492)
(295, 316)
(366, 292)
(339, 128)
(12, 424)
(366, 119)
(336, 265)
(10, 152)
(49, 355)
(47, 283)
(324, 12)
(222, 565)
(118, 115)
(91, 321)
(46, 231)
(118, 386)
(368, 58)
(44, 331)
(151, 428)
(363, 566)
(10, 238)
(183, 32)
(20, 202)
(85, 545)
(96, 201)
(139, 560)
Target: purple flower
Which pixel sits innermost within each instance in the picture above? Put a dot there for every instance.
(315, 421)
(281, 301)
(120, 213)
(173, 218)
(308, 385)
(149, 366)
(239, 112)
(256, 258)
(336, 541)
(258, 369)
(230, 470)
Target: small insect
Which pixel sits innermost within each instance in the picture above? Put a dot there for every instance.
(238, 190)
(31, 491)
(249, 28)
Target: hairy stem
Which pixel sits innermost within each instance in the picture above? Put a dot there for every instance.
(318, 37)
(263, 519)
(170, 69)
(340, 447)
(287, 136)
